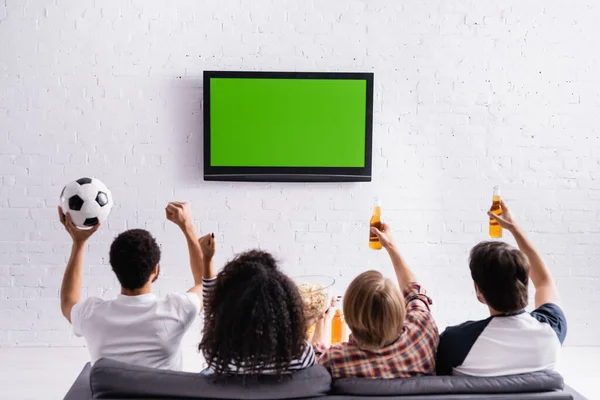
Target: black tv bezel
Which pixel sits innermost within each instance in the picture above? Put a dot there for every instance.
(290, 174)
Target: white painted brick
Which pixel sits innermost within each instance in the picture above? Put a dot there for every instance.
(49, 292)
(23, 319)
(13, 304)
(13, 292)
(299, 226)
(36, 247)
(313, 237)
(317, 227)
(47, 259)
(7, 248)
(5, 316)
(5, 281)
(27, 281)
(4, 335)
(23, 337)
(447, 128)
(16, 259)
(334, 227)
(32, 292)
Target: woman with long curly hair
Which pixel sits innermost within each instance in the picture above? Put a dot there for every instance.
(254, 322)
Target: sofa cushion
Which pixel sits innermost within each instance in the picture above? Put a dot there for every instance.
(542, 381)
(112, 379)
(80, 390)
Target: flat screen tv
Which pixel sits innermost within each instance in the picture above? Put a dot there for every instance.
(287, 126)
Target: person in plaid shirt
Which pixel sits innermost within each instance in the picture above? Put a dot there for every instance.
(394, 334)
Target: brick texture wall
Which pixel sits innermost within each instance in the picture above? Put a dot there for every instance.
(468, 94)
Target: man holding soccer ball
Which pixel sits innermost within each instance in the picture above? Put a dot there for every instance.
(137, 327)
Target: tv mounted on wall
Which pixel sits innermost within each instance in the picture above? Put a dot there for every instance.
(287, 126)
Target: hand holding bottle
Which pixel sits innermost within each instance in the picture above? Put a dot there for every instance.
(375, 222)
(384, 236)
(496, 209)
(506, 219)
(337, 323)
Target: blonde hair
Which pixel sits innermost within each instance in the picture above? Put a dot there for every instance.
(374, 310)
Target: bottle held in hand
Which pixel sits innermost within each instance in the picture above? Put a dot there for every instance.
(337, 323)
(495, 228)
(374, 242)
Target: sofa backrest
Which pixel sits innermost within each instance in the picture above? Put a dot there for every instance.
(542, 381)
(111, 379)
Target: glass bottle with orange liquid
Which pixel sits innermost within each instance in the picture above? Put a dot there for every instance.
(337, 323)
(375, 222)
(495, 228)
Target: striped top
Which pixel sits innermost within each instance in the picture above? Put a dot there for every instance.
(307, 359)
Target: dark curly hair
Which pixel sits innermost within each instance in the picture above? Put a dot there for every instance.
(254, 317)
(501, 272)
(133, 256)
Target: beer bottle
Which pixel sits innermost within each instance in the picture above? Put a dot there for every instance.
(337, 323)
(374, 242)
(495, 228)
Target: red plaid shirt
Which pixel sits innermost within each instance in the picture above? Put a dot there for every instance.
(412, 354)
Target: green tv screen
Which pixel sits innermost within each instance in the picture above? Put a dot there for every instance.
(294, 124)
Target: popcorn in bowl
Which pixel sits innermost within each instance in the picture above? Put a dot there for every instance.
(315, 299)
(315, 291)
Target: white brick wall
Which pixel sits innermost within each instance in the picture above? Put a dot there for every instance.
(469, 94)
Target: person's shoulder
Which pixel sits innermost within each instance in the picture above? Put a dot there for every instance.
(96, 300)
(308, 357)
(552, 315)
(86, 313)
(189, 302)
(91, 302)
(334, 355)
(456, 343)
(549, 309)
(341, 350)
(467, 328)
(179, 298)
(337, 348)
(454, 329)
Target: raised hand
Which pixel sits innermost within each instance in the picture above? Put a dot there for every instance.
(207, 245)
(506, 219)
(384, 235)
(79, 236)
(322, 323)
(179, 213)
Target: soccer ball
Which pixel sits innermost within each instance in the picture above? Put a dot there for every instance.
(87, 200)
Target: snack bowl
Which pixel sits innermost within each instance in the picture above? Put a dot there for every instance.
(316, 292)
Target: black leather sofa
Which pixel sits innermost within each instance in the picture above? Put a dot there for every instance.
(109, 379)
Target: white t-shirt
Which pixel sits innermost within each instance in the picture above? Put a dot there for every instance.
(142, 330)
(504, 344)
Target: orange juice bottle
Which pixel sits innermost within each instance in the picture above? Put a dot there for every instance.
(337, 323)
(495, 228)
(375, 222)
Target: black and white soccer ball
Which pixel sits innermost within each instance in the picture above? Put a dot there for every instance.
(87, 200)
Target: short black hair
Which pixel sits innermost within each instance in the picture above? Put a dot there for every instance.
(501, 272)
(133, 256)
(254, 317)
